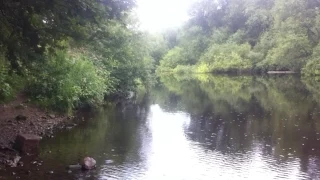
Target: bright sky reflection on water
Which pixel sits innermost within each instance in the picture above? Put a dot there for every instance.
(170, 154)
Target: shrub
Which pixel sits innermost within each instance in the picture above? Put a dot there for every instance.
(5, 88)
(10, 83)
(227, 57)
(183, 69)
(65, 82)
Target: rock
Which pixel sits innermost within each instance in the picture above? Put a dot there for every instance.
(14, 161)
(52, 116)
(21, 118)
(88, 163)
(20, 106)
(27, 143)
(70, 126)
(20, 163)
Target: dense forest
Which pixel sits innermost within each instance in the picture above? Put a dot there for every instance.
(64, 54)
(246, 36)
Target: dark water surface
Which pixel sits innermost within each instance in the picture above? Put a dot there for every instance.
(206, 127)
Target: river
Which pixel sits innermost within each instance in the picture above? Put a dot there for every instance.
(201, 127)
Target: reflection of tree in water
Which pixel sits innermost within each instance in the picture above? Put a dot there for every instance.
(113, 133)
(233, 114)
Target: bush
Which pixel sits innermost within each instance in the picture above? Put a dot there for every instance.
(183, 69)
(173, 58)
(65, 82)
(227, 57)
(5, 88)
(10, 83)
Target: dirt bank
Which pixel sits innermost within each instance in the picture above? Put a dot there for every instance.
(20, 116)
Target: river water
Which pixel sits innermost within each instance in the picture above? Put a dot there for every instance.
(202, 127)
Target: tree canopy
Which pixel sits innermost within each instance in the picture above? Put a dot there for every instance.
(67, 53)
(248, 35)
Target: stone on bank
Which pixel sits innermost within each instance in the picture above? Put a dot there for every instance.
(27, 143)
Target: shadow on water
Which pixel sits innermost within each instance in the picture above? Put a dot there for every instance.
(200, 127)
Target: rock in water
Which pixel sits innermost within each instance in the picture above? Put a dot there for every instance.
(88, 163)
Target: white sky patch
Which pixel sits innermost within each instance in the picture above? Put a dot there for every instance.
(158, 15)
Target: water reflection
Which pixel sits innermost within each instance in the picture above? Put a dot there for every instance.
(173, 153)
(272, 122)
(203, 127)
(220, 127)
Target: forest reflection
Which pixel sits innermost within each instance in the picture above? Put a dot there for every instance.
(236, 114)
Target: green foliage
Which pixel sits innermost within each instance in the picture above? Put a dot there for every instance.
(193, 41)
(158, 47)
(183, 69)
(65, 82)
(225, 58)
(291, 52)
(312, 68)
(248, 35)
(5, 88)
(10, 82)
(173, 58)
(73, 53)
(313, 85)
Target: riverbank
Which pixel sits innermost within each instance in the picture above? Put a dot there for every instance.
(22, 117)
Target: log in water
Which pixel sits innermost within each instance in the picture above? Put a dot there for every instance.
(281, 72)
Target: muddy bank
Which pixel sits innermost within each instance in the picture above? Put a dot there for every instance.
(20, 116)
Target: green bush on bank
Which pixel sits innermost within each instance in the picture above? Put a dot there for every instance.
(183, 69)
(64, 83)
(10, 82)
(5, 88)
(229, 57)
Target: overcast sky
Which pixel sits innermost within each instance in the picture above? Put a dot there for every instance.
(157, 15)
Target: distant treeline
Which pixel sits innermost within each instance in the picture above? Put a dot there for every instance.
(246, 36)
